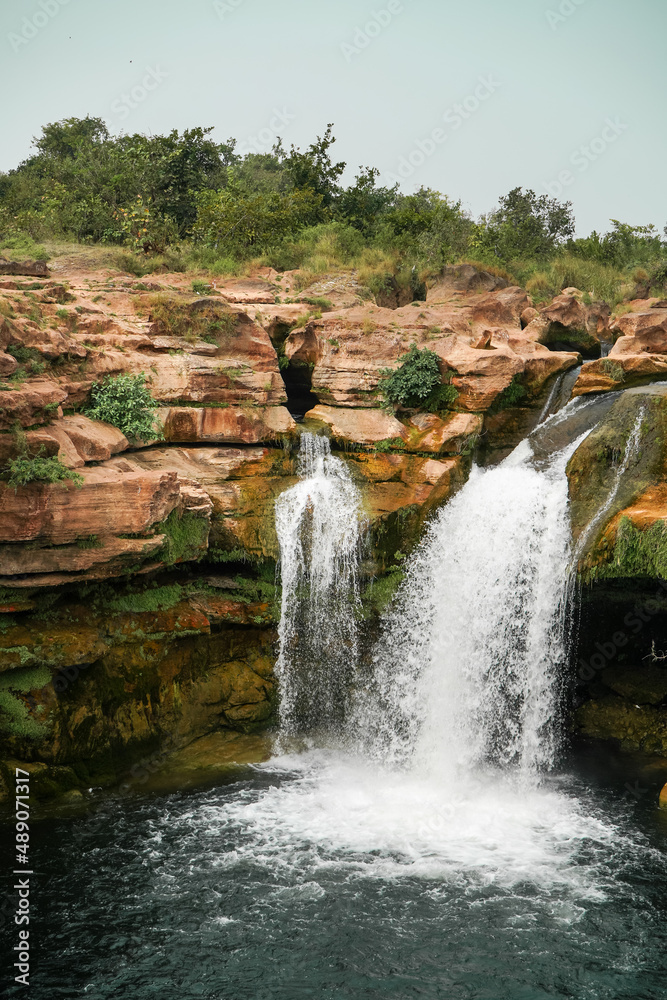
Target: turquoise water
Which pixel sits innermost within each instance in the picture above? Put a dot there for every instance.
(319, 876)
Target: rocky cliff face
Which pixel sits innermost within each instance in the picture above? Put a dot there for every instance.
(141, 603)
(618, 494)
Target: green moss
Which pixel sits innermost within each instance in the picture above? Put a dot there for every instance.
(513, 395)
(187, 536)
(380, 592)
(15, 717)
(151, 599)
(636, 553)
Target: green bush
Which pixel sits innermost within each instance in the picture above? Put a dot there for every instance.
(125, 402)
(37, 469)
(417, 382)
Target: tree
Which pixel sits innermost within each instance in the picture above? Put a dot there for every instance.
(314, 170)
(525, 226)
(362, 204)
(65, 138)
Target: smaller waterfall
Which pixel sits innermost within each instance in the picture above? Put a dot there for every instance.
(631, 449)
(318, 523)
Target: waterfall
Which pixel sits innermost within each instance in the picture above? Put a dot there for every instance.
(631, 450)
(318, 522)
(468, 668)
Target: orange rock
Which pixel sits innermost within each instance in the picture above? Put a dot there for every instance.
(449, 434)
(27, 404)
(116, 498)
(361, 426)
(662, 801)
(231, 425)
(8, 364)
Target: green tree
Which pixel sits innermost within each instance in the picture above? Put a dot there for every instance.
(525, 226)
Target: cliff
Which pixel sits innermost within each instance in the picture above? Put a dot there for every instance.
(141, 602)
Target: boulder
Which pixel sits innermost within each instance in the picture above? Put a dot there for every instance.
(360, 426)
(34, 402)
(462, 278)
(449, 434)
(30, 268)
(230, 425)
(8, 364)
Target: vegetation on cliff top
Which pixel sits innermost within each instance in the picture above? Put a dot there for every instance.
(183, 200)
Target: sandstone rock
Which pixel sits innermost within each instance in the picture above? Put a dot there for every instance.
(94, 440)
(248, 291)
(572, 324)
(72, 562)
(528, 315)
(662, 802)
(232, 425)
(619, 371)
(448, 435)
(361, 426)
(27, 404)
(8, 364)
(116, 498)
(31, 268)
(462, 278)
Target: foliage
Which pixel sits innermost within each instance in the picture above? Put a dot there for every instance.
(612, 369)
(27, 469)
(601, 282)
(513, 395)
(181, 200)
(246, 225)
(125, 402)
(416, 382)
(186, 536)
(525, 225)
(212, 322)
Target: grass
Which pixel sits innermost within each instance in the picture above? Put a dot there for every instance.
(211, 322)
(599, 281)
(612, 369)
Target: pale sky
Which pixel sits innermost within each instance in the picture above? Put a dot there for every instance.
(471, 98)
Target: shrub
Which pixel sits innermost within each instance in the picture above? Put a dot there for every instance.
(193, 321)
(125, 402)
(513, 395)
(612, 369)
(417, 382)
(38, 469)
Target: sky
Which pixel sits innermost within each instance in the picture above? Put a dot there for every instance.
(471, 98)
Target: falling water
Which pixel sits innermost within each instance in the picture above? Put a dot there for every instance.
(318, 523)
(468, 669)
(631, 450)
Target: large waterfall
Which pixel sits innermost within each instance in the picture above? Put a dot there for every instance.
(468, 668)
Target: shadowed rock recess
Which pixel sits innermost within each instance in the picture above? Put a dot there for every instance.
(139, 600)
